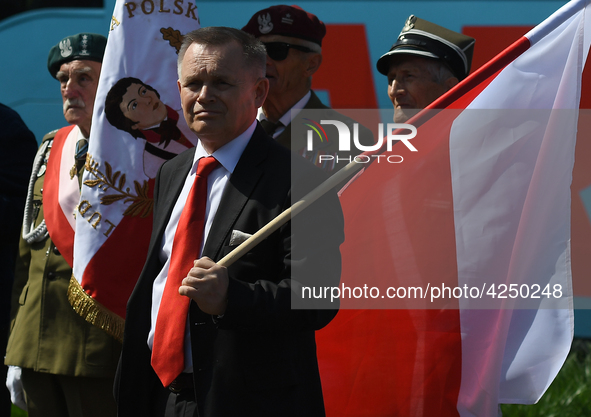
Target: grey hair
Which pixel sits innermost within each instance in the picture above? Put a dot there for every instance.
(438, 70)
(253, 50)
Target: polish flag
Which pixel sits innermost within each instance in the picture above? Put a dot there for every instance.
(482, 208)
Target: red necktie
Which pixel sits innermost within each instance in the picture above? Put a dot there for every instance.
(168, 354)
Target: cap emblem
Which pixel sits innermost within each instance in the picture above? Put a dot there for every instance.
(265, 25)
(287, 19)
(409, 24)
(65, 48)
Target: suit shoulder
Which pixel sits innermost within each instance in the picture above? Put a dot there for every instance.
(321, 111)
(282, 160)
(179, 160)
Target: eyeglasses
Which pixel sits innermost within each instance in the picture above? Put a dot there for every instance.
(278, 51)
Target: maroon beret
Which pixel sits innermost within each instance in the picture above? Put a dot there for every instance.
(284, 20)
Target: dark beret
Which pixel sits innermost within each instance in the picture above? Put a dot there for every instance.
(284, 20)
(83, 46)
(423, 38)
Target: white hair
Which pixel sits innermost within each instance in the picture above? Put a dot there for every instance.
(438, 70)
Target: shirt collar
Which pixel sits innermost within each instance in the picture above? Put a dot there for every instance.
(80, 135)
(291, 113)
(229, 154)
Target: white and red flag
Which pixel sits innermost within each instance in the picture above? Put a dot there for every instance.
(137, 124)
(483, 208)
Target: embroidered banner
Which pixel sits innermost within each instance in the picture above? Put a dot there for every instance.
(137, 125)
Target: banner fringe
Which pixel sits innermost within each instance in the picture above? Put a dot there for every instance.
(94, 312)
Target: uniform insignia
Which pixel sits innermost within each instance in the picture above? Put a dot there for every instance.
(84, 45)
(65, 47)
(265, 25)
(409, 24)
(49, 139)
(287, 19)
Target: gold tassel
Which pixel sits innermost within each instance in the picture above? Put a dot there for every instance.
(93, 311)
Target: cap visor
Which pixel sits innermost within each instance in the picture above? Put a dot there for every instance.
(383, 64)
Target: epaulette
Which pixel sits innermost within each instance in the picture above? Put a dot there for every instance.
(50, 135)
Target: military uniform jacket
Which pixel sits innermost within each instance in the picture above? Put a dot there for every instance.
(47, 335)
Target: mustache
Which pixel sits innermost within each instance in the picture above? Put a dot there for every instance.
(74, 102)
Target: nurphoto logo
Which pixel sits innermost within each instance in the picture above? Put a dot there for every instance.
(395, 132)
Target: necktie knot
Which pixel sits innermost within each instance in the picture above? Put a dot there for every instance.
(80, 152)
(206, 165)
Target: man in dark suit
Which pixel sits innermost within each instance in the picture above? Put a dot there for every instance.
(293, 40)
(248, 345)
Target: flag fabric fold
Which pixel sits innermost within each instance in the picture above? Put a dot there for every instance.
(137, 125)
(484, 204)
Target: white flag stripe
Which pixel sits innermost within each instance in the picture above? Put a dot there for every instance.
(516, 228)
(565, 13)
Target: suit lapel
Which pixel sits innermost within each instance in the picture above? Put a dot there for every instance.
(170, 189)
(237, 192)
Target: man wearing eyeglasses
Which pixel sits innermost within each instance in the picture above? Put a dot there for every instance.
(293, 39)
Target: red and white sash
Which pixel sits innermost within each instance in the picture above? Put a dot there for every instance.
(61, 192)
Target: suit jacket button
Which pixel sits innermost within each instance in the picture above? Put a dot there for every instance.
(56, 251)
(51, 275)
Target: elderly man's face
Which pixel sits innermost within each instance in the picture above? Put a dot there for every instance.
(143, 106)
(78, 83)
(219, 93)
(411, 86)
(287, 75)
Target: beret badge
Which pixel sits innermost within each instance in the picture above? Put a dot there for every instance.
(265, 25)
(65, 47)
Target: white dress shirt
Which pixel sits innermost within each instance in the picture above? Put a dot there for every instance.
(228, 156)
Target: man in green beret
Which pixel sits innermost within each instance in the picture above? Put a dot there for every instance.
(426, 61)
(67, 364)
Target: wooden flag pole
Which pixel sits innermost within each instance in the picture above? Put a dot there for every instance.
(338, 178)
